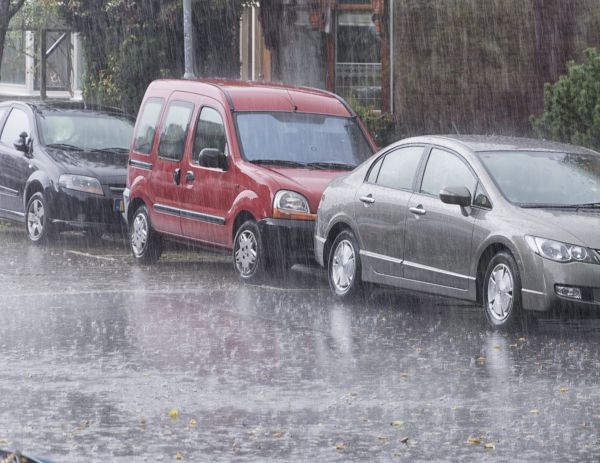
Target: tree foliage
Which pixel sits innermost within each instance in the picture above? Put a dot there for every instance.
(572, 105)
(129, 43)
(8, 9)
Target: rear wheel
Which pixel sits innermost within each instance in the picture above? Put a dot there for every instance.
(37, 221)
(343, 266)
(502, 292)
(249, 259)
(146, 244)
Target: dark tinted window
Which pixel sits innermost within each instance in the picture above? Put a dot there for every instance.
(210, 133)
(174, 132)
(16, 123)
(445, 169)
(399, 168)
(144, 135)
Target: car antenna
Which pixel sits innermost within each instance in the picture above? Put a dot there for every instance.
(292, 100)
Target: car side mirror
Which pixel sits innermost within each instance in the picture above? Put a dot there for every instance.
(459, 195)
(22, 144)
(212, 157)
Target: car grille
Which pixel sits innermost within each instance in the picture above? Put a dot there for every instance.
(117, 190)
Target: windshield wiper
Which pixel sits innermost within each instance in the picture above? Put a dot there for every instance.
(559, 206)
(110, 150)
(331, 165)
(278, 162)
(64, 146)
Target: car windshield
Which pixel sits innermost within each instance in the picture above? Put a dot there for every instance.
(88, 130)
(315, 140)
(538, 179)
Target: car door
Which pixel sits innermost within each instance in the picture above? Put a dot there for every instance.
(381, 208)
(208, 186)
(438, 235)
(166, 173)
(14, 164)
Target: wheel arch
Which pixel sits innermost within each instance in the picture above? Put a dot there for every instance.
(332, 233)
(486, 255)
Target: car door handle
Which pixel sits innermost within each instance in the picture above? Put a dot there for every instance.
(189, 176)
(368, 199)
(177, 176)
(418, 210)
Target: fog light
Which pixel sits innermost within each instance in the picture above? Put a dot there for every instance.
(568, 291)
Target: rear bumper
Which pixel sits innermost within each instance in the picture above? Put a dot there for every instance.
(291, 240)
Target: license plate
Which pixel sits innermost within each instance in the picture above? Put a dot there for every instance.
(119, 205)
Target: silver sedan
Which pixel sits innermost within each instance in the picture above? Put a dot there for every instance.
(511, 223)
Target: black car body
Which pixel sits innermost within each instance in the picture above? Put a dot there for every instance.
(62, 166)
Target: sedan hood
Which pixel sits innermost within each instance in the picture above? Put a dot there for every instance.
(108, 167)
(310, 182)
(582, 225)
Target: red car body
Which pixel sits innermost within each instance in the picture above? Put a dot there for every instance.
(206, 204)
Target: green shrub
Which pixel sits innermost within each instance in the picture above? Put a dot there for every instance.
(572, 105)
(382, 126)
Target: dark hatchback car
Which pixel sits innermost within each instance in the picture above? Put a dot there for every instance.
(63, 166)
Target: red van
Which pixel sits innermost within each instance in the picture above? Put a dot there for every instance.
(236, 166)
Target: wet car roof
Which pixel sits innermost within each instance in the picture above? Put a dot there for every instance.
(257, 96)
(64, 105)
(480, 143)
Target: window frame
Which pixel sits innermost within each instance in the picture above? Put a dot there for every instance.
(157, 124)
(227, 138)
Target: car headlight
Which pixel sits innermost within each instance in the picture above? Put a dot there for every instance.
(561, 252)
(291, 205)
(81, 183)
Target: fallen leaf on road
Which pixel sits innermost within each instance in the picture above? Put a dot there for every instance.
(497, 347)
(340, 446)
(522, 339)
(563, 389)
(404, 440)
(178, 456)
(514, 345)
(193, 422)
(481, 360)
(383, 439)
(473, 441)
(489, 446)
(535, 411)
(397, 423)
(403, 375)
(174, 413)
(4, 441)
(396, 454)
(278, 434)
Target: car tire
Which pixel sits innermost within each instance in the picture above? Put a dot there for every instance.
(249, 257)
(344, 267)
(38, 225)
(502, 302)
(146, 244)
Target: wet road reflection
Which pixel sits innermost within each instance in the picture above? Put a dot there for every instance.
(96, 352)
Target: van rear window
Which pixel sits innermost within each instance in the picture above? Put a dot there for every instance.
(146, 128)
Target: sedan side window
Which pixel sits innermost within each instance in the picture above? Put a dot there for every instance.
(174, 132)
(144, 135)
(17, 123)
(210, 133)
(446, 169)
(399, 168)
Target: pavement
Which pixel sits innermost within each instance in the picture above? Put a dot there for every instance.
(104, 360)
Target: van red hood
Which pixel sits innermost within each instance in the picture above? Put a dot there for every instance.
(310, 182)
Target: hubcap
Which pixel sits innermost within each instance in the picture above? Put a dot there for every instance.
(246, 253)
(343, 266)
(36, 219)
(500, 292)
(139, 234)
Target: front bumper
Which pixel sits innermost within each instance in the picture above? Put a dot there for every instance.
(542, 295)
(75, 209)
(291, 240)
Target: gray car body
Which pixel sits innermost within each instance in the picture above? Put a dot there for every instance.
(446, 251)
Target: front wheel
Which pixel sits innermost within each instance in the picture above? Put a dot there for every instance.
(37, 221)
(502, 292)
(344, 267)
(146, 244)
(249, 260)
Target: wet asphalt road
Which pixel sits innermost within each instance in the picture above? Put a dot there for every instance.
(97, 352)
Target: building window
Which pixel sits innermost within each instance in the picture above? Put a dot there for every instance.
(358, 57)
(13, 61)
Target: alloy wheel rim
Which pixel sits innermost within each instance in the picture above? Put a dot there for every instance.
(343, 267)
(500, 293)
(139, 234)
(36, 219)
(246, 254)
